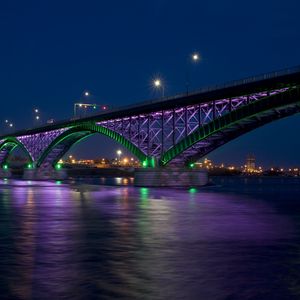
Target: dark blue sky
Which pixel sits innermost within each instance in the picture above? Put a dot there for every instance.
(51, 51)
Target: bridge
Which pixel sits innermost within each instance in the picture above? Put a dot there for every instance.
(173, 131)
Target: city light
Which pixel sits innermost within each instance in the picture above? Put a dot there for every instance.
(11, 125)
(86, 94)
(119, 153)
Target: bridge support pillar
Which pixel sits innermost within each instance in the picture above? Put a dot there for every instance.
(5, 173)
(29, 174)
(170, 177)
(37, 174)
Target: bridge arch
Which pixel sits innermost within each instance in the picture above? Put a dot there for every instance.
(74, 135)
(232, 125)
(8, 145)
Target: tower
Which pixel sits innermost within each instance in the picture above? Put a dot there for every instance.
(250, 163)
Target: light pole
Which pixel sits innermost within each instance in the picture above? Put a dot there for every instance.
(86, 96)
(119, 153)
(86, 106)
(194, 58)
(9, 124)
(157, 83)
(37, 116)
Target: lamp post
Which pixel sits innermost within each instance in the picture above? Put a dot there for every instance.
(157, 83)
(86, 106)
(194, 58)
(37, 116)
(85, 98)
(119, 153)
(9, 124)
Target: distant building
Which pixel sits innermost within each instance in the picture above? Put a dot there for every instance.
(207, 164)
(250, 163)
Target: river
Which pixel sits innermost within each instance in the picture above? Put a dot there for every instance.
(105, 239)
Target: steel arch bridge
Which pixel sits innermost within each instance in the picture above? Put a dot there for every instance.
(177, 130)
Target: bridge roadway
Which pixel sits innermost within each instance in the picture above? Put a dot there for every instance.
(173, 131)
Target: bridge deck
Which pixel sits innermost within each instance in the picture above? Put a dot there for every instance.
(245, 86)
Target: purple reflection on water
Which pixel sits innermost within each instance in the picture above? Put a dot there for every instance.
(82, 241)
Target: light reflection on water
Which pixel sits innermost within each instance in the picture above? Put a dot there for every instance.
(83, 241)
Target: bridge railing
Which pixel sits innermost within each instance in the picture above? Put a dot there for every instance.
(233, 83)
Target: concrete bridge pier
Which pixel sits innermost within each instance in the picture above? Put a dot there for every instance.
(5, 173)
(44, 174)
(170, 177)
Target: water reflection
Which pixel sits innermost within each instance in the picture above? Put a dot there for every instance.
(83, 241)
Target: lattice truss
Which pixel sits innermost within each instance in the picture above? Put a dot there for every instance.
(37, 143)
(156, 132)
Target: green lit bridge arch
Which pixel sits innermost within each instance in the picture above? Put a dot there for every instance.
(232, 125)
(60, 145)
(7, 146)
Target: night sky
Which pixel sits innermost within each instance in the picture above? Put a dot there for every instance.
(52, 51)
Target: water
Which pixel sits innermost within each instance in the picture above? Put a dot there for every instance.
(237, 240)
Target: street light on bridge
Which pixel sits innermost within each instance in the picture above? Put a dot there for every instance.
(157, 83)
(36, 112)
(194, 58)
(8, 123)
